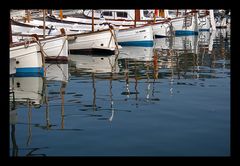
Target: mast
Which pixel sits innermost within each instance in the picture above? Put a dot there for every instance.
(61, 14)
(137, 17)
(44, 26)
(92, 20)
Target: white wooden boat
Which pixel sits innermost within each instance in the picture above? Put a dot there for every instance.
(136, 36)
(95, 63)
(186, 25)
(53, 27)
(29, 61)
(88, 41)
(103, 41)
(53, 45)
(54, 48)
(119, 18)
(184, 22)
(161, 29)
(23, 29)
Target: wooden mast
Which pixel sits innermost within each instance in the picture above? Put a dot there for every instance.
(137, 17)
(44, 26)
(92, 20)
(61, 14)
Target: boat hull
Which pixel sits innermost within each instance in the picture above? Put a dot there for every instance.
(102, 41)
(181, 29)
(28, 60)
(55, 49)
(139, 36)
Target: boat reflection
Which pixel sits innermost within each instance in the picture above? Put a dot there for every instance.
(139, 63)
(94, 63)
(35, 93)
(56, 72)
(28, 91)
(136, 53)
(100, 68)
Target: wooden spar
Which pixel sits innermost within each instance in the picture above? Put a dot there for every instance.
(137, 17)
(161, 13)
(155, 14)
(28, 16)
(44, 20)
(92, 20)
(61, 14)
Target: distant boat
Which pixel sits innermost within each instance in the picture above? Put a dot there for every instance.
(119, 18)
(184, 22)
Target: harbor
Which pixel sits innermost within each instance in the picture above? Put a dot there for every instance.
(87, 83)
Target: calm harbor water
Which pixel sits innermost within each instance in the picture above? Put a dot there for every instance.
(172, 99)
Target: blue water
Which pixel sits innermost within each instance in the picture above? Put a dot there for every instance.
(152, 102)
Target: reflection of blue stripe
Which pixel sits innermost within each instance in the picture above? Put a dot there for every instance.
(204, 29)
(185, 32)
(29, 72)
(148, 43)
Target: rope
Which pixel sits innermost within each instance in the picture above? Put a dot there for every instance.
(42, 54)
(27, 42)
(114, 37)
(41, 47)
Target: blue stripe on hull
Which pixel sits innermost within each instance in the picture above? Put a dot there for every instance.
(185, 33)
(137, 43)
(29, 72)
